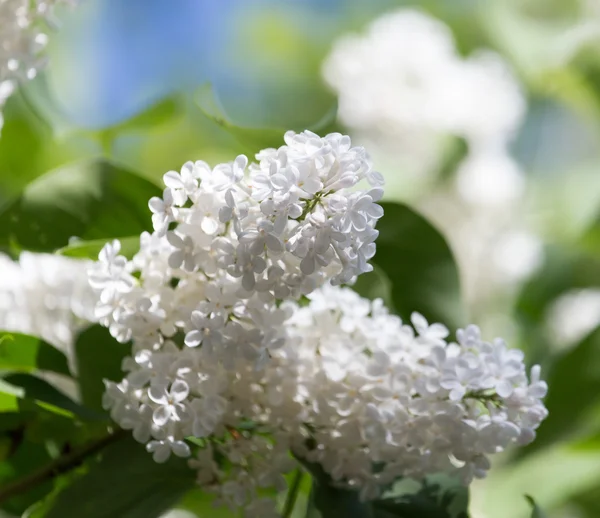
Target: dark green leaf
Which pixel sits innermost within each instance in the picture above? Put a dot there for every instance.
(98, 356)
(563, 270)
(43, 506)
(420, 265)
(327, 501)
(536, 511)
(27, 458)
(254, 139)
(30, 390)
(575, 372)
(20, 352)
(439, 496)
(91, 249)
(124, 483)
(91, 200)
(375, 285)
(24, 391)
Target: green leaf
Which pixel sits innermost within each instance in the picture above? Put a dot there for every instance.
(90, 249)
(98, 357)
(124, 483)
(573, 390)
(23, 138)
(438, 496)
(420, 265)
(159, 113)
(536, 511)
(25, 459)
(23, 391)
(40, 508)
(375, 285)
(91, 200)
(25, 353)
(327, 501)
(254, 139)
(564, 269)
(201, 504)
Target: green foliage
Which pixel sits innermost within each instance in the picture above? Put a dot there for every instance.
(374, 285)
(27, 392)
(91, 249)
(255, 139)
(563, 270)
(90, 200)
(419, 265)
(25, 353)
(125, 482)
(436, 497)
(201, 504)
(574, 373)
(98, 357)
(25, 458)
(536, 511)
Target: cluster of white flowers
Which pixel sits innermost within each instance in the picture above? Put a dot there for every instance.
(226, 351)
(47, 296)
(22, 41)
(406, 92)
(404, 86)
(382, 399)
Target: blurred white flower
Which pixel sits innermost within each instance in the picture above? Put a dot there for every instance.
(45, 295)
(489, 177)
(23, 37)
(403, 85)
(517, 254)
(573, 315)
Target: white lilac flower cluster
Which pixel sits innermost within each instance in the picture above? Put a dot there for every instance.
(405, 90)
(45, 295)
(241, 342)
(22, 41)
(404, 86)
(383, 399)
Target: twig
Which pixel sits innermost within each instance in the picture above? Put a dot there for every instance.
(57, 467)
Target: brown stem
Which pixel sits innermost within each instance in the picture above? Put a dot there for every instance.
(57, 467)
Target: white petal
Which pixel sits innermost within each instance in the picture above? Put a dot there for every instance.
(161, 415)
(194, 338)
(209, 226)
(179, 390)
(172, 179)
(181, 449)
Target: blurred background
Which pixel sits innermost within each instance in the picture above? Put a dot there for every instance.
(482, 114)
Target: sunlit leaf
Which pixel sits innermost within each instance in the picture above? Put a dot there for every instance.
(255, 139)
(24, 391)
(90, 249)
(536, 512)
(25, 353)
(91, 200)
